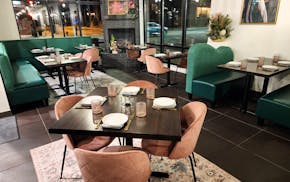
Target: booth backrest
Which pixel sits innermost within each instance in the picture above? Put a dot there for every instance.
(7, 73)
(203, 59)
(68, 44)
(21, 48)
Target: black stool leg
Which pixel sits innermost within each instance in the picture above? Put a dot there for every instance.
(63, 160)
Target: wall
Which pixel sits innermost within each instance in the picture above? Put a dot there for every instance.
(8, 30)
(251, 40)
(256, 40)
(4, 105)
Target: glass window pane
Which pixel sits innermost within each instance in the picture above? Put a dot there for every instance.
(69, 18)
(92, 21)
(153, 12)
(56, 19)
(172, 22)
(32, 19)
(198, 13)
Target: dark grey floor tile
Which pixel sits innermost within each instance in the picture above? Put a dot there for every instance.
(270, 147)
(33, 130)
(17, 152)
(24, 173)
(27, 117)
(209, 145)
(248, 167)
(277, 130)
(8, 129)
(245, 117)
(230, 129)
(210, 115)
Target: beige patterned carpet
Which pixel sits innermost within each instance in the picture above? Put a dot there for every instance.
(47, 163)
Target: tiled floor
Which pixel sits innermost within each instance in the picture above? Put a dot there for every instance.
(229, 138)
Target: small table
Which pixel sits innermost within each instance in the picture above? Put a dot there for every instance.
(61, 68)
(253, 70)
(167, 58)
(158, 124)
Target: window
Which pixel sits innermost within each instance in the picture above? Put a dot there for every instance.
(32, 19)
(176, 24)
(41, 18)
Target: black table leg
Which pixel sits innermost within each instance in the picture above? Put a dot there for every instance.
(129, 141)
(66, 82)
(60, 77)
(168, 79)
(265, 85)
(246, 94)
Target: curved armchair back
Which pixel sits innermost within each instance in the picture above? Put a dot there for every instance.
(127, 166)
(142, 84)
(146, 52)
(203, 59)
(93, 52)
(61, 107)
(192, 115)
(154, 65)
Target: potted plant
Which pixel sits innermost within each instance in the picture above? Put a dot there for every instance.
(219, 27)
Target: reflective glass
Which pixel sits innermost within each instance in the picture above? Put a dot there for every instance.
(152, 25)
(32, 19)
(198, 13)
(172, 23)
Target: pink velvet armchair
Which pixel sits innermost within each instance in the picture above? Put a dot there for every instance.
(122, 165)
(77, 141)
(192, 117)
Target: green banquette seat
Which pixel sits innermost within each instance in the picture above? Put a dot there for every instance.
(203, 78)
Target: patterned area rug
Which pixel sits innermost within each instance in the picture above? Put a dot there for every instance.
(47, 163)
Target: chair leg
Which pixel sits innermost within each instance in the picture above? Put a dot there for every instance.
(193, 172)
(194, 159)
(75, 84)
(120, 141)
(63, 160)
(93, 81)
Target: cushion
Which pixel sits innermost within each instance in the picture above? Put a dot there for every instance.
(7, 73)
(275, 106)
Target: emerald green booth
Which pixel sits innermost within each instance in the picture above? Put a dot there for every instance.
(203, 78)
(68, 44)
(22, 81)
(19, 68)
(275, 107)
(19, 50)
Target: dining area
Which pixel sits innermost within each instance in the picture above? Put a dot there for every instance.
(142, 111)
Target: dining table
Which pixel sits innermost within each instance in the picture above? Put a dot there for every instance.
(252, 69)
(159, 124)
(60, 66)
(167, 57)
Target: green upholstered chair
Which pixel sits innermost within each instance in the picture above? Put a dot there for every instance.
(275, 107)
(203, 78)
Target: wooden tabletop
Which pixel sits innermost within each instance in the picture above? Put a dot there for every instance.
(158, 124)
(254, 70)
